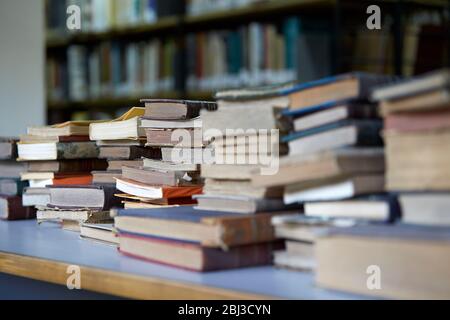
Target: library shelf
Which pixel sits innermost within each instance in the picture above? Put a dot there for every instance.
(44, 253)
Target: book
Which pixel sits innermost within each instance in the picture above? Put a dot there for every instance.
(207, 228)
(68, 225)
(66, 166)
(99, 231)
(174, 137)
(416, 122)
(128, 153)
(410, 170)
(347, 256)
(160, 177)
(56, 179)
(429, 208)
(335, 114)
(356, 133)
(323, 165)
(338, 189)
(241, 187)
(95, 197)
(35, 197)
(116, 165)
(194, 123)
(121, 143)
(105, 177)
(229, 171)
(372, 208)
(167, 165)
(127, 126)
(57, 151)
(156, 192)
(69, 128)
(161, 202)
(423, 83)
(298, 256)
(8, 148)
(26, 138)
(195, 257)
(239, 204)
(12, 187)
(332, 91)
(92, 216)
(11, 208)
(193, 156)
(11, 169)
(167, 109)
(438, 99)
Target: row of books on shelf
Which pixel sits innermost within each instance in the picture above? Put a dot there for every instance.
(312, 184)
(105, 15)
(199, 7)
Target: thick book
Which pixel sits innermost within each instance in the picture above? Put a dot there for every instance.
(58, 179)
(335, 189)
(167, 165)
(323, 165)
(35, 197)
(195, 123)
(91, 216)
(11, 208)
(167, 109)
(128, 153)
(99, 231)
(240, 204)
(126, 126)
(57, 151)
(382, 208)
(335, 114)
(156, 192)
(195, 257)
(8, 148)
(186, 138)
(413, 86)
(346, 134)
(395, 253)
(425, 208)
(67, 166)
(208, 228)
(95, 197)
(416, 122)
(241, 187)
(161, 177)
(116, 165)
(105, 177)
(332, 91)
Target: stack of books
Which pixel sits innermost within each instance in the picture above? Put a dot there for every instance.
(120, 142)
(169, 173)
(417, 133)
(383, 259)
(335, 154)
(244, 134)
(196, 240)
(11, 186)
(56, 155)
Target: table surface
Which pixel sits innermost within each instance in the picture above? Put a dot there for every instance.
(49, 243)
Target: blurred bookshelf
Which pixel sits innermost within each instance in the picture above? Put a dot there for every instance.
(130, 49)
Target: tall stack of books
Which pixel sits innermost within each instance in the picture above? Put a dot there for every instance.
(59, 160)
(335, 153)
(416, 123)
(11, 186)
(196, 240)
(417, 133)
(244, 134)
(169, 173)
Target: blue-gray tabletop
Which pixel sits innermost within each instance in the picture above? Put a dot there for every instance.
(49, 241)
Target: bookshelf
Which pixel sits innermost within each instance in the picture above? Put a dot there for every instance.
(48, 252)
(176, 28)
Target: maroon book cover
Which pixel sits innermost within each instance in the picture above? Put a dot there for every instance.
(11, 209)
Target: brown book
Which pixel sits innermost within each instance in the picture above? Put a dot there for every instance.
(166, 109)
(160, 177)
(328, 164)
(129, 153)
(116, 165)
(410, 262)
(163, 137)
(416, 122)
(195, 257)
(95, 197)
(66, 166)
(11, 208)
(105, 177)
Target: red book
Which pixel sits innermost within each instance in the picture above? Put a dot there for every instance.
(72, 179)
(11, 208)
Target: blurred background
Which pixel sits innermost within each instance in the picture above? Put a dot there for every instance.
(130, 49)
